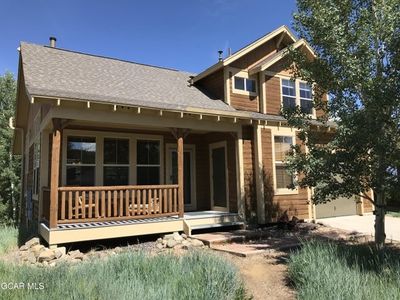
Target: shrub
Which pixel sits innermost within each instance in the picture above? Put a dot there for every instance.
(131, 275)
(8, 238)
(322, 270)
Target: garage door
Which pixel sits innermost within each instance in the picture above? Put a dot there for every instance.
(339, 207)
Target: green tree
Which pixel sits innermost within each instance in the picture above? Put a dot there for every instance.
(357, 43)
(9, 164)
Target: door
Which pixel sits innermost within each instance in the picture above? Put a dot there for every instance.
(339, 207)
(219, 176)
(189, 196)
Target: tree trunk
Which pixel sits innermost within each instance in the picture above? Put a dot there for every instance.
(380, 211)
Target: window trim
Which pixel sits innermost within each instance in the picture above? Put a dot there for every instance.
(297, 90)
(99, 166)
(244, 75)
(288, 133)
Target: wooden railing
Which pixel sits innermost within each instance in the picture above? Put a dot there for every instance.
(108, 203)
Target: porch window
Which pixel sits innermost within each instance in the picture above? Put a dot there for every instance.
(148, 162)
(282, 145)
(116, 161)
(288, 93)
(306, 104)
(81, 161)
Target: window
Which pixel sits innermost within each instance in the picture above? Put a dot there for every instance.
(245, 84)
(116, 161)
(148, 162)
(282, 145)
(306, 103)
(288, 93)
(81, 161)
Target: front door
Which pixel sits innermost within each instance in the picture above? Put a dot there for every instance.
(219, 180)
(189, 196)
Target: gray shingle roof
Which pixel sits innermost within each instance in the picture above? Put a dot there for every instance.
(66, 74)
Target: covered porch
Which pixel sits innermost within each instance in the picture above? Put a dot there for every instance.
(102, 184)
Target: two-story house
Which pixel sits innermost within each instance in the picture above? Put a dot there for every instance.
(113, 148)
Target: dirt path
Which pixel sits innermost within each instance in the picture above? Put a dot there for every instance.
(265, 277)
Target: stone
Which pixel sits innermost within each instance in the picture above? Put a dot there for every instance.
(76, 254)
(60, 251)
(177, 237)
(171, 243)
(197, 243)
(31, 258)
(184, 236)
(178, 247)
(24, 248)
(185, 243)
(46, 256)
(159, 246)
(37, 249)
(164, 242)
(159, 240)
(118, 249)
(52, 264)
(168, 236)
(32, 242)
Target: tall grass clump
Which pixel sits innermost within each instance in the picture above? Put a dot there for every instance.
(8, 238)
(131, 275)
(323, 270)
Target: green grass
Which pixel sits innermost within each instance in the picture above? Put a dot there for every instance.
(131, 275)
(322, 270)
(8, 238)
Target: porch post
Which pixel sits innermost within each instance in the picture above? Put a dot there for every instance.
(55, 172)
(180, 173)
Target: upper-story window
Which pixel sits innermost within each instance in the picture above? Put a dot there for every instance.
(244, 84)
(297, 93)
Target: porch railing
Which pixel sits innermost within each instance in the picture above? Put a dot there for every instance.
(110, 203)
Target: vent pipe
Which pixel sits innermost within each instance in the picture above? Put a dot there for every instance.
(220, 55)
(53, 41)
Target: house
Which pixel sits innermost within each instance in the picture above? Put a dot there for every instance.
(113, 148)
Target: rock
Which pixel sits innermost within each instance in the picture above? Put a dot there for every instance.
(45, 263)
(178, 247)
(171, 243)
(46, 256)
(118, 249)
(177, 237)
(185, 243)
(60, 251)
(32, 242)
(197, 243)
(164, 242)
(24, 248)
(159, 246)
(159, 240)
(37, 249)
(31, 258)
(52, 264)
(168, 236)
(184, 236)
(76, 254)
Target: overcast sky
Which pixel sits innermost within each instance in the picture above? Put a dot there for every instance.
(184, 35)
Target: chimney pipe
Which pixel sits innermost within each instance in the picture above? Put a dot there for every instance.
(52, 41)
(220, 55)
(229, 51)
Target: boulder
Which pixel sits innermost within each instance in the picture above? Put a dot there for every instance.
(37, 249)
(177, 237)
(168, 236)
(159, 246)
(32, 242)
(171, 243)
(46, 256)
(197, 243)
(31, 258)
(24, 248)
(185, 243)
(184, 236)
(60, 251)
(159, 240)
(76, 254)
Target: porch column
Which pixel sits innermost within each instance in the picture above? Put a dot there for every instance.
(180, 173)
(55, 172)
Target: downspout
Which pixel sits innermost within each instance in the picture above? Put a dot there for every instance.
(11, 125)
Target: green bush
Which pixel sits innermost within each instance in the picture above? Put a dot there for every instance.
(131, 275)
(8, 238)
(322, 270)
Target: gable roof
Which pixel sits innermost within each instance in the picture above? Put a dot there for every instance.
(269, 61)
(245, 50)
(54, 72)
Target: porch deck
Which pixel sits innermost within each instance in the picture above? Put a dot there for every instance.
(85, 231)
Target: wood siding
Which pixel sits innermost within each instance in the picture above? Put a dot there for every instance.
(276, 205)
(256, 55)
(249, 175)
(273, 95)
(213, 85)
(242, 102)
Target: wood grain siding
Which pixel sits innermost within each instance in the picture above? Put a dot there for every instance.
(273, 95)
(276, 205)
(242, 102)
(249, 176)
(256, 55)
(213, 85)
(320, 112)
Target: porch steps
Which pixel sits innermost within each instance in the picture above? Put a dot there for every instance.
(210, 220)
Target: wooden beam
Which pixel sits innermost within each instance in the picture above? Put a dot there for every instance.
(180, 174)
(55, 172)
